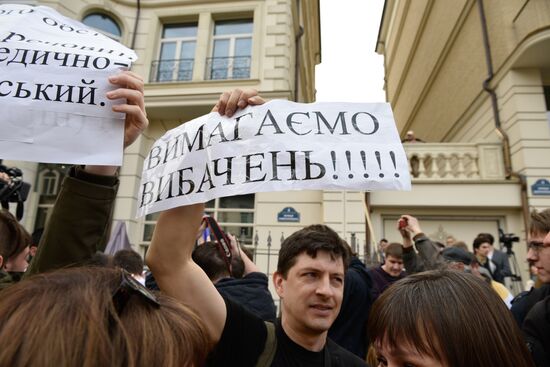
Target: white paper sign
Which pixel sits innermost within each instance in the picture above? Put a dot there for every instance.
(278, 146)
(53, 80)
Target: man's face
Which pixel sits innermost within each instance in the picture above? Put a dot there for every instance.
(393, 266)
(539, 255)
(311, 294)
(19, 262)
(484, 249)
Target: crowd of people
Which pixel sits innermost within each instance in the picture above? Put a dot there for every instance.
(426, 304)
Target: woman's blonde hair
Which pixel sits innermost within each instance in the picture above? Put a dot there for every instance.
(68, 318)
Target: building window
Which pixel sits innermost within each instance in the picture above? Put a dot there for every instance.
(177, 53)
(235, 215)
(231, 50)
(49, 179)
(103, 23)
(49, 182)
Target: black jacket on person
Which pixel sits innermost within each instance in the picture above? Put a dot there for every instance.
(536, 329)
(349, 330)
(250, 291)
(522, 304)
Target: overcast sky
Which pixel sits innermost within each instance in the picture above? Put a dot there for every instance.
(350, 69)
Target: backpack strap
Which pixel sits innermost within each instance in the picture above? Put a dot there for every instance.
(270, 347)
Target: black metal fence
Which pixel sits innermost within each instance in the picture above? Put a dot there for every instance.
(217, 68)
(237, 67)
(174, 70)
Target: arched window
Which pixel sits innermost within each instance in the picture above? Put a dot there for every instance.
(103, 23)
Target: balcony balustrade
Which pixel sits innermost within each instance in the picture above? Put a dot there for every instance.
(237, 67)
(175, 70)
(455, 161)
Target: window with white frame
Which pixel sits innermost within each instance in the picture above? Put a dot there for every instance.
(234, 214)
(176, 54)
(103, 23)
(231, 50)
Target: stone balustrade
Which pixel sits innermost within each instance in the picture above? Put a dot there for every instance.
(455, 161)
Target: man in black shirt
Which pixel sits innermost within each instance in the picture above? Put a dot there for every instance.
(309, 281)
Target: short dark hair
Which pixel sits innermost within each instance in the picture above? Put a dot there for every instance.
(478, 241)
(311, 239)
(488, 238)
(394, 249)
(209, 258)
(129, 260)
(540, 222)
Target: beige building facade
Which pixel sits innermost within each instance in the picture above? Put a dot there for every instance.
(471, 78)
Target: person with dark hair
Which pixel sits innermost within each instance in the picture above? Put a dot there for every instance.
(130, 261)
(14, 249)
(498, 258)
(207, 255)
(389, 272)
(445, 318)
(96, 317)
(531, 308)
(309, 281)
(481, 250)
(247, 287)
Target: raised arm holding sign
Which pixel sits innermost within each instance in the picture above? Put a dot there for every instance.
(81, 217)
(275, 146)
(52, 91)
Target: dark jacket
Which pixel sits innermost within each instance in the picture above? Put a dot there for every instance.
(349, 330)
(522, 304)
(78, 226)
(536, 329)
(252, 292)
(428, 257)
(382, 280)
